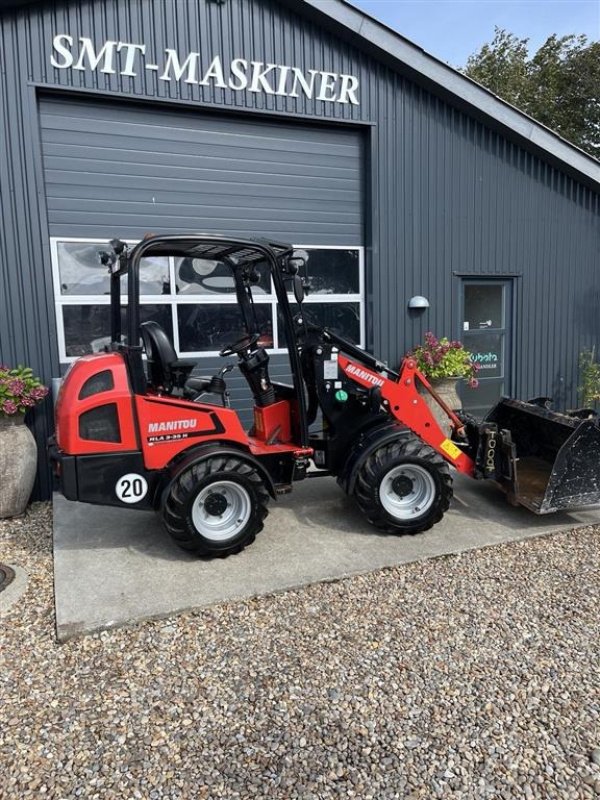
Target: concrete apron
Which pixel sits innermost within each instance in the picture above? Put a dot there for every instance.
(117, 566)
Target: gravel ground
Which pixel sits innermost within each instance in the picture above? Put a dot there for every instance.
(472, 676)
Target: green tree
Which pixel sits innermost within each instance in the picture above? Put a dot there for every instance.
(559, 85)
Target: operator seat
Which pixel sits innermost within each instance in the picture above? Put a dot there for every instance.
(167, 372)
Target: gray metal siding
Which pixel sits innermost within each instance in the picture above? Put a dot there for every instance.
(446, 193)
(122, 169)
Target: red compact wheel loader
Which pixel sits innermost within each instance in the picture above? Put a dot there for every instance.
(162, 437)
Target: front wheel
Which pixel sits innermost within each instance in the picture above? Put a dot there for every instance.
(404, 486)
(216, 507)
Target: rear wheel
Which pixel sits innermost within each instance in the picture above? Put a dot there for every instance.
(216, 507)
(404, 486)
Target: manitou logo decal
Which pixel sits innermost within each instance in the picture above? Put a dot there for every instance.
(169, 431)
(159, 432)
(364, 375)
(176, 425)
(240, 74)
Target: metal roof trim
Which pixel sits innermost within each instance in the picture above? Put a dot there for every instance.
(379, 35)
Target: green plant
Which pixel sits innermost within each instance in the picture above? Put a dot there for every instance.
(442, 358)
(589, 372)
(19, 390)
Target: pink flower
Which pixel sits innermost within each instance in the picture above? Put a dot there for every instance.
(473, 383)
(27, 401)
(16, 386)
(9, 407)
(39, 392)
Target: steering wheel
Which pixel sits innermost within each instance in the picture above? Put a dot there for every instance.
(245, 343)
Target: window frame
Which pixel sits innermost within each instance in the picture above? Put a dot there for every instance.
(173, 300)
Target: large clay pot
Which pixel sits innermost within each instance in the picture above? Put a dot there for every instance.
(447, 390)
(18, 464)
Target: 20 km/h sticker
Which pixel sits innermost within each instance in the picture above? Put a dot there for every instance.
(131, 488)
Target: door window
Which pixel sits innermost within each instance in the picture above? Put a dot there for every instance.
(486, 334)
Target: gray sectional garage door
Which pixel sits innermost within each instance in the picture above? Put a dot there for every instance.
(116, 169)
(124, 169)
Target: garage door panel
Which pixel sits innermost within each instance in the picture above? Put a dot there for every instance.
(131, 135)
(99, 116)
(64, 170)
(109, 184)
(197, 154)
(209, 209)
(291, 164)
(102, 115)
(225, 165)
(66, 192)
(136, 225)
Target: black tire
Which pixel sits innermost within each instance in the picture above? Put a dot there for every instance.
(235, 482)
(403, 458)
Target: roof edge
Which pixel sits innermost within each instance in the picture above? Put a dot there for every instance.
(453, 82)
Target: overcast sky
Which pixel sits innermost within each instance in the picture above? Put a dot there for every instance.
(453, 29)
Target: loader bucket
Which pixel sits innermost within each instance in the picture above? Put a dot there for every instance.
(556, 457)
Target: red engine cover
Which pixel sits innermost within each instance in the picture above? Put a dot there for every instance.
(97, 413)
(95, 382)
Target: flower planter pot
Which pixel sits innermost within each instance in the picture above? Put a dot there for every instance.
(447, 390)
(18, 463)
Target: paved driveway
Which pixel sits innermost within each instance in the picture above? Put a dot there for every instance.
(114, 566)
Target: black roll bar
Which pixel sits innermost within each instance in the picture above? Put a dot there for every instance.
(180, 244)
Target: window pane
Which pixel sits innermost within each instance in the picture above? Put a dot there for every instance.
(487, 351)
(204, 327)
(201, 276)
(483, 306)
(87, 327)
(341, 318)
(158, 313)
(331, 271)
(81, 272)
(154, 276)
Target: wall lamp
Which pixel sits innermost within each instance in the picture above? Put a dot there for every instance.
(418, 303)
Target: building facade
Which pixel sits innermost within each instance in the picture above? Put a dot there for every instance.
(301, 121)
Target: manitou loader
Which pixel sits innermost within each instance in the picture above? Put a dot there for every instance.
(136, 427)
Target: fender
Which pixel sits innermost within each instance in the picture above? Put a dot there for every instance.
(367, 443)
(201, 453)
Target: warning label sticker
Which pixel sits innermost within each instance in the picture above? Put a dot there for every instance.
(450, 448)
(330, 369)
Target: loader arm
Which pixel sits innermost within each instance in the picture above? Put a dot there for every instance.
(403, 402)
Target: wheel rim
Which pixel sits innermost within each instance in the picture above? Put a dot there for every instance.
(221, 510)
(407, 491)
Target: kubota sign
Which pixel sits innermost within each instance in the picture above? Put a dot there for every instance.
(129, 59)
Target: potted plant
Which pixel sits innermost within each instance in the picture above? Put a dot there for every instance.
(444, 363)
(589, 375)
(19, 391)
